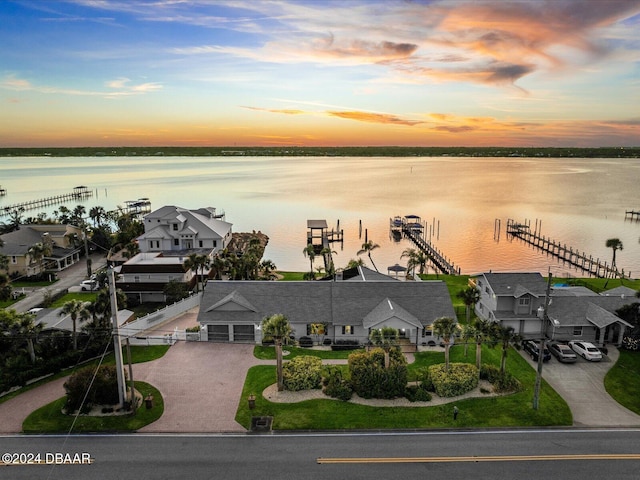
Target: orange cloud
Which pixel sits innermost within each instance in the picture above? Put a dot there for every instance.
(373, 118)
(286, 111)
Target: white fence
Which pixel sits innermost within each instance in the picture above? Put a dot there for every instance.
(134, 330)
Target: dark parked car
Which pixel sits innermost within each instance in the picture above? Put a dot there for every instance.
(532, 349)
(562, 352)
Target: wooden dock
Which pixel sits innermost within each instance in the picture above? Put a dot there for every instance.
(569, 255)
(3, 191)
(632, 215)
(319, 235)
(411, 227)
(79, 193)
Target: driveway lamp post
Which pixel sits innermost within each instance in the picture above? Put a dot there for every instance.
(544, 317)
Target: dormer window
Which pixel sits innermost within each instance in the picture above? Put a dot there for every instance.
(175, 227)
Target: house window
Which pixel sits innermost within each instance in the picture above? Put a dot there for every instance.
(427, 332)
(523, 301)
(176, 242)
(14, 259)
(348, 330)
(200, 243)
(215, 243)
(486, 290)
(577, 331)
(136, 279)
(316, 329)
(175, 227)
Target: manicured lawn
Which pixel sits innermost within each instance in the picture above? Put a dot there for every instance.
(82, 296)
(50, 419)
(291, 276)
(506, 411)
(269, 353)
(600, 284)
(622, 382)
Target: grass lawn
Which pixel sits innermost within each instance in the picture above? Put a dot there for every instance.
(600, 284)
(622, 382)
(506, 411)
(291, 276)
(82, 296)
(50, 419)
(269, 353)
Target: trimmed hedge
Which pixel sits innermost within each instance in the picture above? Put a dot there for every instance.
(461, 378)
(345, 345)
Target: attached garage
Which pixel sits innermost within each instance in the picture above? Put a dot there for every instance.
(218, 333)
(244, 333)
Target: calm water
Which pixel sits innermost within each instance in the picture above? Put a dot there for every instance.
(580, 202)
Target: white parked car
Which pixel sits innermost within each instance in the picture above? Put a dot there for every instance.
(586, 350)
(90, 285)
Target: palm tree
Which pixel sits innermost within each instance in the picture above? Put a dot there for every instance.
(470, 296)
(353, 263)
(97, 215)
(615, 244)
(416, 258)
(38, 251)
(504, 336)
(386, 338)
(310, 252)
(196, 263)
(218, 265)
(76, 309)
(327, 254)
(268, 267)
(277, 326)
(367, 248)
(445, 328)
(26, 328)
(468, 333)
(482, 332)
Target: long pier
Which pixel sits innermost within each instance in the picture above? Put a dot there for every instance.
(568, 255)
(79, 193)
(411, 227)
(632, 215)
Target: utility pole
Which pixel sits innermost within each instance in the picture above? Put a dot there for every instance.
(86, 250)
(116, 338)
(541, 345)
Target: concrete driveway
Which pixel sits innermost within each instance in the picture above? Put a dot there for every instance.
(581, 384)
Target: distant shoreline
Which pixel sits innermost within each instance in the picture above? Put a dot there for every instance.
(390, 151)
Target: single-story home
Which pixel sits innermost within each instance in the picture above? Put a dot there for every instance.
(232, 311)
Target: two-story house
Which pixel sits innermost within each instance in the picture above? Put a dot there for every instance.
(59, 250)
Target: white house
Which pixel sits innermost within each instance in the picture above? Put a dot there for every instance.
(170, 235)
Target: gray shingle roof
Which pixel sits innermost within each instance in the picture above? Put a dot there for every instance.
(338, 303)
(511, 284)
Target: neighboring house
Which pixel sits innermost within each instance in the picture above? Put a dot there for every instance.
(512, 299)
(170, 234)
(145, 275)
(177, 229)
(575, 313)
(232, 311)
(62, 240)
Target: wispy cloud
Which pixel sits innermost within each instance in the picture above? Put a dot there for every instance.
(119, 87)
(373, 117)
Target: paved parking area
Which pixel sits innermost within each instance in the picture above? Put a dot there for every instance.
(581, 384)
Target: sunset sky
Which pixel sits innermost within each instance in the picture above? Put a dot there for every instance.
(314, 73)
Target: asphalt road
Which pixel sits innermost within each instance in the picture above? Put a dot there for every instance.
(511, 454)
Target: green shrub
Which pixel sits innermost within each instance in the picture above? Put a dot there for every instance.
(369, 377)
(103, 391)
(502, 382)
(302, 373)
(335, 385)
(417, 393)
(461, 378)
